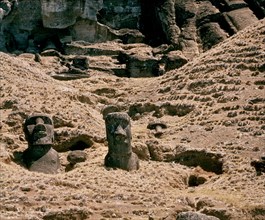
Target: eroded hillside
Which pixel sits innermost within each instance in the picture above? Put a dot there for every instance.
(214, 111)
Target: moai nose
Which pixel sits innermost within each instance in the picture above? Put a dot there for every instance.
(40, 125)
(120, 131)
(39, 121)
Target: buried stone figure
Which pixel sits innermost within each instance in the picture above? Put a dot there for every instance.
(40, 156)
(119, 137)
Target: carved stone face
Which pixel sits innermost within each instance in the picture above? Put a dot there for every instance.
(119, 135)
(38, 130)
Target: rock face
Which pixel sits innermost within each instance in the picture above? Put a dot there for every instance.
(190, 26)
(139, 62)
(239, 19)
(120, 14)
(62, 14)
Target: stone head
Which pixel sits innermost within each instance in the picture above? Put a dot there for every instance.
(118, 128)
(39, 130)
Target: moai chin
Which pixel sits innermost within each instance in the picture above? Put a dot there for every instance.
(39, 133)
(120, 155)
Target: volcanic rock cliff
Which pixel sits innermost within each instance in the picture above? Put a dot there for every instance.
(190, 26)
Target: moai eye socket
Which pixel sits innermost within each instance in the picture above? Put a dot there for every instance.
(46, 120)
(124, 123)
(33, 120)
(30, 121)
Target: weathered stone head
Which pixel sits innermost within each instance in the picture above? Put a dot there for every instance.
(120, 155)
(40, 156)
(38, 129)
(119, 135)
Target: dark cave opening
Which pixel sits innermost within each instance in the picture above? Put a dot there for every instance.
(150, 24)
(79, 145)
(195, 180)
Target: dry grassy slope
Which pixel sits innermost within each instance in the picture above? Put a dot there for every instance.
(225, 86)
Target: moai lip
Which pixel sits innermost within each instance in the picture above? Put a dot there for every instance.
(120, 155)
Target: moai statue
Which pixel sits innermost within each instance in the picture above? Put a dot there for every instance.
(40, 156)
(119, 137)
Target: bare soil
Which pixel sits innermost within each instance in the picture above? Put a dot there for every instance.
(213, 104)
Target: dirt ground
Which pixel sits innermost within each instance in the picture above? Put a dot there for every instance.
(214, 104)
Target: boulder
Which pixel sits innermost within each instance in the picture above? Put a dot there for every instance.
(142, 66)
(174, 60)
(220, 213)
(199, 176)
(67, 213)
(205, 202)
(234, 4)
(76, 156)
(141, 150)
(140, 61)
(211, 34)
(240, 18)
(160, 151)
(167, 16)
(194, 216)
(81, 62)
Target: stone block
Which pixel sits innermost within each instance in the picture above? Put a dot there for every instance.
(240, 18)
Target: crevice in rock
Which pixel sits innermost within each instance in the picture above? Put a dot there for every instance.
(225, 26)
(150, 25)
(256, 8)
(182, 16)
(207, 161)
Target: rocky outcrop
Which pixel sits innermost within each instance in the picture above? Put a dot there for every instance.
(139, 61)
(194, 215)
(120, 14)
(62, 14)
(189, 26)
